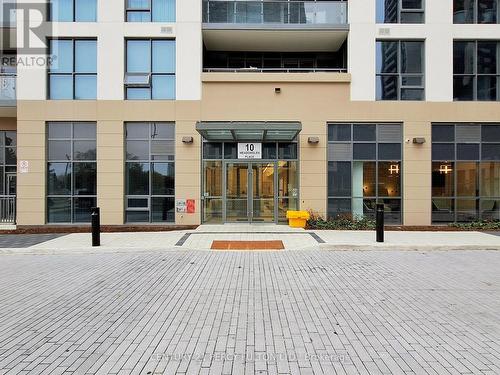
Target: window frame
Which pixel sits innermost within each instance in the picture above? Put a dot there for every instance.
(129, 10)
(72, 161)
(150, 161)
(400, 76)
(400, 10)
(475, 75)
(475, 16)
(50, 13)
(73, 74)
(377, 197)
(455, 197)
(150, 74)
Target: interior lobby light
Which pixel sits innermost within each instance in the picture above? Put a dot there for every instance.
(445, 168)
(394, 169)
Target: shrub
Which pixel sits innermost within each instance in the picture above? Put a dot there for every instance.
(341, 222)
(478, 225)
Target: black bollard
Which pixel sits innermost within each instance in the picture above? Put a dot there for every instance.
(380, 222)
(96, 226)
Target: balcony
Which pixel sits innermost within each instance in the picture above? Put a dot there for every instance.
(274, 25)
(7, 90)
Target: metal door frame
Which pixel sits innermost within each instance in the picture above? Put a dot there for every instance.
(8, 177)
(250, 198)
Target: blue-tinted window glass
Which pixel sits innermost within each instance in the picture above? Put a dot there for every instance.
(85, 56)
(163, 56)
(163, 10)
(62, 10)
(61, 87)
(138, 56)
(62, 51)
(163, 87)
(85, 87)
(135, 93)
(138, 16)
(86, 10)
(138, 4)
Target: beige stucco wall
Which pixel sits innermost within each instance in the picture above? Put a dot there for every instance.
(304, 97)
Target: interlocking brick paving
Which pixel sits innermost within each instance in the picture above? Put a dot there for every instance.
(301, 312)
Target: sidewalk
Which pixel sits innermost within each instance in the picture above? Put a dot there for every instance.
(293, 239)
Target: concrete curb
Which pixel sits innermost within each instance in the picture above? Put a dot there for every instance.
(396, 247)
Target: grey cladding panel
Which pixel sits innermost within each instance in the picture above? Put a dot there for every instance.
(468, 133)
(339, 151)
(390, 133)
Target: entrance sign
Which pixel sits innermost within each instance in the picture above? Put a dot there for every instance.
(180, 205)
(249, 150)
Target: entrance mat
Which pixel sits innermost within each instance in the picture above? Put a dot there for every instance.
(247, 245)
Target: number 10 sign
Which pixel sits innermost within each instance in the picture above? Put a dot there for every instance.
(249, 150)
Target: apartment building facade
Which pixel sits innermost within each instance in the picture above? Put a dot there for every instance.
(189, 112)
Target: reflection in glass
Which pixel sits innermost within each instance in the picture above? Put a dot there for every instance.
(162, 179)
(137, 178)
(212, 179)
(466, 209)
(59, 179)
(490, 179)
(443, 179)
(443, 210)
(162, 209)
(212, 210)
(82, 209)
(466, 179)
(85, 179)
(59, 210)
(287, 179)
(389, 179)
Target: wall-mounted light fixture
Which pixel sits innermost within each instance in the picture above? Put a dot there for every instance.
(187, 140)
(313, 140)
(277, 90)
(419, 140)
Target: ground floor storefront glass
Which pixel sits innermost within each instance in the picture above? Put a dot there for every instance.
(364, 167)
(236, 190)
(465, 172)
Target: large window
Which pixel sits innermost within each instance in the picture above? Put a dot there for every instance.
(8, 162)
(400, 70)
(364, 167)
(73, 10)
(465, 172)
(73, 75)
(71, 171)
(400, 11)
(476, 70)
(150, 69)
(150, 172)
(150, 10)
(476, 11)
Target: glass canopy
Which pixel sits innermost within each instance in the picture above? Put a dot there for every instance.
(260, 131)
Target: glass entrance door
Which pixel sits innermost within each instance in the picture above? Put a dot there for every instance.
(250, 192)
(237, 184)
(263, 192)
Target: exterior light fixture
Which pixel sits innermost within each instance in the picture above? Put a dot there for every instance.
(187, 140)
(394, 169)
(445, 169)
(313, 140)
(277, 90)
(419, 140)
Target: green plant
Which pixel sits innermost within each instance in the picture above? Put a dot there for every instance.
(341, 222)
(478, 225)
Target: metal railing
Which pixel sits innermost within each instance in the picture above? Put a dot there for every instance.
(275, 12)
(8, 209)
(275, 70)
(7, 89)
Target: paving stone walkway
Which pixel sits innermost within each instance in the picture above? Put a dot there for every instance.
(301, 312)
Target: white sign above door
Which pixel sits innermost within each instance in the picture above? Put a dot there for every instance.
(249, 150)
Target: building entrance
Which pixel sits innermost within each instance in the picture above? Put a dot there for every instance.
(250, 192)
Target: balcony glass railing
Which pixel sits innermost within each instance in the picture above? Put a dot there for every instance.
(275, 12)
(7, 89)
